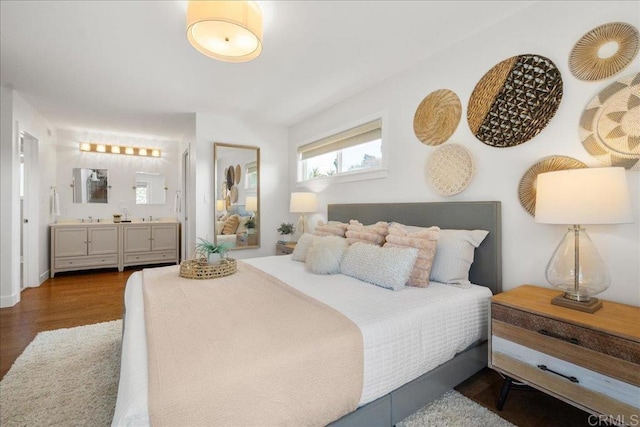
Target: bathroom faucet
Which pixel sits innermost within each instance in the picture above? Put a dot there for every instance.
(90, 219)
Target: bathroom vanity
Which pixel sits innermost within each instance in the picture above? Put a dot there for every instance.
(85, 246)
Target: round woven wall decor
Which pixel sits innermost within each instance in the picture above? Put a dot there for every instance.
(238, 174)
(585, 62)
(437, 117)
(233, 193)
(230, 176)
(527, 186)
(610, 124)
(514, 100)
(450, 169)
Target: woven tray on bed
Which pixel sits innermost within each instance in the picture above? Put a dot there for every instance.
(201, 269)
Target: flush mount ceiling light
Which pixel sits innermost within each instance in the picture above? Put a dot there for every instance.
(229, 31)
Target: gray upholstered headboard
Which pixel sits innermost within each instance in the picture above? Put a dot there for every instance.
(487, 266)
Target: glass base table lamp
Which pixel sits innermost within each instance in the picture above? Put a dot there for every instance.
(302, 203)
(576, 197)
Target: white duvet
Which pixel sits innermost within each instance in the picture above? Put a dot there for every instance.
(406, 333)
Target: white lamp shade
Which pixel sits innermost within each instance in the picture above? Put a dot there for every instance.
(583, 196)
(220, 205)
(251, 204)
(303, 203)
(229, 31)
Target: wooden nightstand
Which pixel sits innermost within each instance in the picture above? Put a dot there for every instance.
(285, 248)
(591, 361)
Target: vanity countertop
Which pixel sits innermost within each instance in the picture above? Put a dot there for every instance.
(76, 222)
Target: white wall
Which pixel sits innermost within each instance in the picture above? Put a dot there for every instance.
(18, 116)
(122, 178)
(546, 28)
(274, 190)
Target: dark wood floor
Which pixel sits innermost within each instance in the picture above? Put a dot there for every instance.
(74, 299)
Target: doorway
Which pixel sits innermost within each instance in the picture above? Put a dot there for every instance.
(29, 209)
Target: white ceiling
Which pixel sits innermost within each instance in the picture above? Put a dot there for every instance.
(127, 67)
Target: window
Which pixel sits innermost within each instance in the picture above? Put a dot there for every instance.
(251, 174)
(142, 193)
(354, 150)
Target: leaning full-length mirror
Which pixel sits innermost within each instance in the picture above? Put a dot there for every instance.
(237, 195)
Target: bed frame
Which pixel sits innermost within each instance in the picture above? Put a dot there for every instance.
(486, 271)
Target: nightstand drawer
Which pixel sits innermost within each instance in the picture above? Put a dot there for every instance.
(559, 331)
(599, 362)
(561, 378)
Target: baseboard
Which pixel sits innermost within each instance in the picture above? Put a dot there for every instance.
(43, 277)
(9, 301)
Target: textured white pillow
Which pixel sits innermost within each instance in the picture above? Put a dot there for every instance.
(302, 246)
(454, 256)
(325, 254)
(386, 267)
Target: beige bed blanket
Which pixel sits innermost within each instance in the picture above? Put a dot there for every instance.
(246, 350)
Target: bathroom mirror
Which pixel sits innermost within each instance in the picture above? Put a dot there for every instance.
(90, 185)
(150, 189)
(237, 195)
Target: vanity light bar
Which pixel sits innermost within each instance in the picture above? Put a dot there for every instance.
(119, 149)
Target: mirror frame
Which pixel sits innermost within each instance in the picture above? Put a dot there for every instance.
(216, 185)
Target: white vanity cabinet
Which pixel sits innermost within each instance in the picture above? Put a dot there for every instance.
(83, 247)
(151, 243)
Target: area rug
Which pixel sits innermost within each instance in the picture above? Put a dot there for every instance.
(69, 377)
(454, 410)
(66, 377)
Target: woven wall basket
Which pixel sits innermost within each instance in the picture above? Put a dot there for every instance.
(586, 64)
(527, 187)
(230, 176)
(450, 169)
(238, 174)
(437, 117)
(514, 100)
(610, 124)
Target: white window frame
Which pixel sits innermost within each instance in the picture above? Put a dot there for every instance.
(338, 135)
(251, 176)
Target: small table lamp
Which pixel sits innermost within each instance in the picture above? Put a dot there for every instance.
(302, 203)
(251, 204)
(581, 196)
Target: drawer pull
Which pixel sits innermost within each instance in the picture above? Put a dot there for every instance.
(560, 337)
(572, 379)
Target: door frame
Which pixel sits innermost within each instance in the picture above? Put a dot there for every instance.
(186, 171)
(29, 179)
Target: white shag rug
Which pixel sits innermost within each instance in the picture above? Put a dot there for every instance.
(66, 377)
(454, 410)
(69, 377)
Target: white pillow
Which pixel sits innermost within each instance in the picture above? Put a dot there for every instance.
(386, 267)
(325, 254)
(242, 224)
(454, 256)
(302, 246)
(219, 227)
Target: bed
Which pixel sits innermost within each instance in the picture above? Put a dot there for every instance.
(234, 235)
(396, 398)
